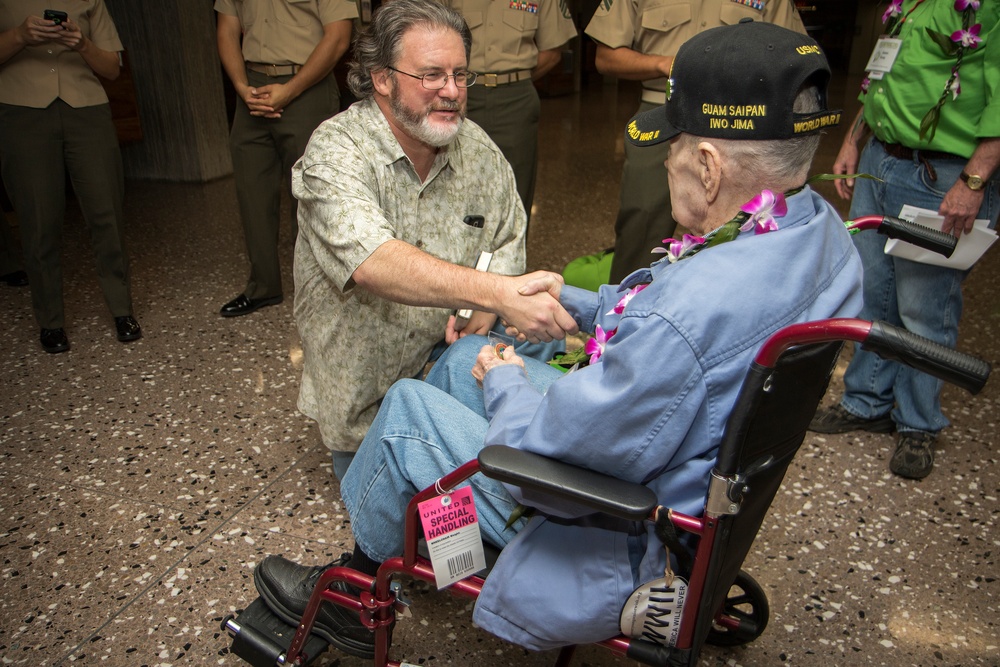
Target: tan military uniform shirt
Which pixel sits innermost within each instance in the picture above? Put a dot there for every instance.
(659, 27)
(37, 75)
(507, 35)
(284, 32)
(356, 190)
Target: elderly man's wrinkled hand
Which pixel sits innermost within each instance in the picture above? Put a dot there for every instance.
(490, 357)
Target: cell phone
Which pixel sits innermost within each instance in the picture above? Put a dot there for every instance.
(55, 15)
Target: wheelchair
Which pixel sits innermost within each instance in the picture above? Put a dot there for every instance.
(723, 605)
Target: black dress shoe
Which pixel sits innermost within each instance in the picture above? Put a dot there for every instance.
(54, 340)
(15, 279)
(127, 328)
(244, 305)
(285, 587)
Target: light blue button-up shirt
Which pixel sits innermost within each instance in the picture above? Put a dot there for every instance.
(652, 410)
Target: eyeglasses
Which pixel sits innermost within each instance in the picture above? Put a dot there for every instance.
(438, 80)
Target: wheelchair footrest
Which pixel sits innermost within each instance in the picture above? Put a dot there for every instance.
(262, 639)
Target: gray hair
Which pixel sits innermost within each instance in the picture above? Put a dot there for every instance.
(377, 48)
(781, 160)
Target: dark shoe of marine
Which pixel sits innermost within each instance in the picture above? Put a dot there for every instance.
(914, 455)
(15, 279)
(286, 586)
(839, 420)
(54, 340)
(244, 305)
(127, 329)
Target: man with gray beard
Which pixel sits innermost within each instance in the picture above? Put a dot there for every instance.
(398, 197)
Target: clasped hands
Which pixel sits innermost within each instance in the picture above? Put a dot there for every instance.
(267, 101)
(528, 307)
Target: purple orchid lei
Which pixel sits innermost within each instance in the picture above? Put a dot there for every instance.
(758, 215)
(955, 44)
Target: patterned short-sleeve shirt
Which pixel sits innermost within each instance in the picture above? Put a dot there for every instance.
(356, 190)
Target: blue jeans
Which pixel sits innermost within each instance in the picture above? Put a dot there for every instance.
(924, 299)
(541, 351)
(423, 431)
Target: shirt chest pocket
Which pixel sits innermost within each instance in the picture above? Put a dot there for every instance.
(473, 19)
(295, 12)
(520, 21)
(732, 12)
(664, 18)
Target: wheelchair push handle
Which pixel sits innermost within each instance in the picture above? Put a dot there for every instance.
(904, 230)
(887, 341)
(958, 368)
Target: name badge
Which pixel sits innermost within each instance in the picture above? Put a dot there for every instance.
(883, 56)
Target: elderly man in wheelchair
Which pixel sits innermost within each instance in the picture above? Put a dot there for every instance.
(673, 343)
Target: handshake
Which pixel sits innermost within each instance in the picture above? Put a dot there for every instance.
(528, 306)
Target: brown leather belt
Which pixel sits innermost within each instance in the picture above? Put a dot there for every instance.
(901, 152)
(273, 70)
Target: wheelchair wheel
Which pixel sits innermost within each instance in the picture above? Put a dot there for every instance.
(746, 602)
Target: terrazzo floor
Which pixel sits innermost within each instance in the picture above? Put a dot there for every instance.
(140, 484)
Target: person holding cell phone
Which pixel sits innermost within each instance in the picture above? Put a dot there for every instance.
(55, 119)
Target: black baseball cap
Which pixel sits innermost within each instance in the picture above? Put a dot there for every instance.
(739, 82)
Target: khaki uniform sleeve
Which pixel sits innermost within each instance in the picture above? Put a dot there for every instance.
(226, 7)
(614, 23)
(337, 10)
(103, 33)
(555, 26)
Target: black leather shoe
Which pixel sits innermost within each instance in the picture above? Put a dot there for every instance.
(15, 279)
(244, 305)
(127, 328)
(54, 340)
(838, 420)
(285, 587)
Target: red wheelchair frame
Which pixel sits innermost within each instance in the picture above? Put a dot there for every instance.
(724, 605)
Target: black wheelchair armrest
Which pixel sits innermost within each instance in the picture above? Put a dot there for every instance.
(595, 490)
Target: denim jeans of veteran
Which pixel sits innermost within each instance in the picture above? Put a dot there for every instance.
(540, 351)
(925, 299)
(423, 431)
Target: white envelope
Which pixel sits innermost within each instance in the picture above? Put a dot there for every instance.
(970, 247)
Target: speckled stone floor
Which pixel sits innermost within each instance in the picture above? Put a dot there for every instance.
(141, 483)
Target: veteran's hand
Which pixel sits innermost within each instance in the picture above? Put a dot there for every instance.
(491, 356)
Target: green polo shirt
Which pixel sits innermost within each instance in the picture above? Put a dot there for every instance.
(895, 105)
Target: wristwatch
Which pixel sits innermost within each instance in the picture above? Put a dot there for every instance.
(974, 182)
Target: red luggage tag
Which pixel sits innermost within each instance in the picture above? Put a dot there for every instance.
(451, 528)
